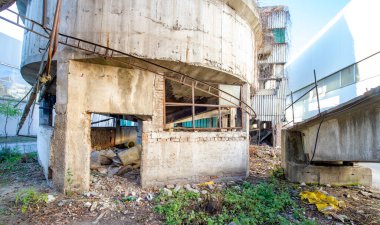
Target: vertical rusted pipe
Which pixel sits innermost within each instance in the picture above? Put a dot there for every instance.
(44, 10)
(54, 37)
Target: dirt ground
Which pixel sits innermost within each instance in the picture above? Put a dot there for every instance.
(120, 200)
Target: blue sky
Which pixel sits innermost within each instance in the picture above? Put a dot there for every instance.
(307, 18)
(9, 29)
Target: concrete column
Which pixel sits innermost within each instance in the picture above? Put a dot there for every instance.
(71, 144)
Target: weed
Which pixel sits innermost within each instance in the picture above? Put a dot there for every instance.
(9, 155)
(264, 203)
(278, 173)
(30, 200)
(9, 158)
(69, 181)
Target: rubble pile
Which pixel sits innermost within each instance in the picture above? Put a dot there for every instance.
(117, 161)
(263, 160)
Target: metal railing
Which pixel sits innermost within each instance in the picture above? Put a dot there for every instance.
(315, 86)
(110, 53)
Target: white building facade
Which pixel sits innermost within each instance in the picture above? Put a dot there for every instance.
(345, 55)
(13, 87)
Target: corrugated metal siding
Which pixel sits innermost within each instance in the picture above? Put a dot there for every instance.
(277, 19)
(278, 55)
(271, 107)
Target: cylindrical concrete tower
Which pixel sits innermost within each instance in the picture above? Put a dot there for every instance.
(210, 40)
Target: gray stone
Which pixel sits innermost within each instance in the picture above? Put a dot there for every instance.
(167, 192)
(364, 193)
(102, 170)
(204, 192)
(108, 153)
(187, 187)
(87, 204)
(150, 197)
(99, 158)
(177, 188)
(124, 169)
(51, 198)
(95, 160)
(93, 206)
(170, 186)
(130, 156)
(61, 203)
(113, 171)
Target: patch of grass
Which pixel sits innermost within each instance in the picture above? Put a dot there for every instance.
(30, 200)
(9, 155)
(264, 203)
(10, 159)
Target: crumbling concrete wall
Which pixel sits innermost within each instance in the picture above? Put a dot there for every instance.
(44, 136)
(214, 37)
(188, 157)
(352, 136)
(83, 88)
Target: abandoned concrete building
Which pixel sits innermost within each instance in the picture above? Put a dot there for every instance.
(269, 97)
(179, 71)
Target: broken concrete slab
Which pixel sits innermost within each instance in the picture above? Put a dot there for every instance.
(99, 158)
(130, 156)
(333, 175)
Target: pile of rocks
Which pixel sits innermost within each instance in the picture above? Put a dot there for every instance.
(116, 161)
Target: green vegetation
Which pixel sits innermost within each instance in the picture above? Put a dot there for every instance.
(278, 173)
(264, 203)
(7, 110)
(30, 200)
(69, 181)
(10, 159)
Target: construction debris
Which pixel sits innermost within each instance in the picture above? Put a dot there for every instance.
(116, 161)
(130, 156)
(323, 202)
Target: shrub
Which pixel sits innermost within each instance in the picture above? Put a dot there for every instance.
(30, 200)
(9, 155)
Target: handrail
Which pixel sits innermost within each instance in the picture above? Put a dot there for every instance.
(109, 53)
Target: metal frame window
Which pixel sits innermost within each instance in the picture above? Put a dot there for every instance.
(204, 116)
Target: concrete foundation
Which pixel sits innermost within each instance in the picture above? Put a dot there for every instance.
(349, 133)
(334, 175)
